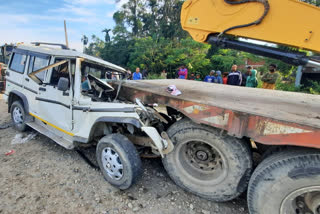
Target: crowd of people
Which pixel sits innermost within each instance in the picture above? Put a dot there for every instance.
(234, 77)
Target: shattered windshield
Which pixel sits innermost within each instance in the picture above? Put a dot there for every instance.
(102, 73)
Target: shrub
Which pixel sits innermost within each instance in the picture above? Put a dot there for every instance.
(154, 76)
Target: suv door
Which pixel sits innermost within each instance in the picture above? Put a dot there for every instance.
(36, 61)
(55, 106)
(17, 67)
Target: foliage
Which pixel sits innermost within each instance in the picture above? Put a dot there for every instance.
(190, 53)
(225, 58)
(314, 2)
(312, 88)
(84, 40)
(95, 48)
(287, 86)
(148, 34)
(154, 76)
(286, 70)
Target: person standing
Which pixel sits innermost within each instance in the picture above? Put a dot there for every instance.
(225, 78)
(137, 75)
(183, 72)
(145, 73)
(210, 77)
(244, 78)
(163, 74)
(198, 77)
(252, 80)
(217, 77)
(235, 77)
(192, 77)
(269, 80)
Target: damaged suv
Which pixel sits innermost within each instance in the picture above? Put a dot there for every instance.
(65, 95)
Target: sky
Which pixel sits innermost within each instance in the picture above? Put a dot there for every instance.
(42, 20)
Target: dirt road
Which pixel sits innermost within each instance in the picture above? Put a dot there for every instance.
(42, 177)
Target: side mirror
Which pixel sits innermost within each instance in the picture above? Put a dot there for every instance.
(63, 84)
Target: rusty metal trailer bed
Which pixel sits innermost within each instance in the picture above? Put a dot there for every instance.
(266, 116)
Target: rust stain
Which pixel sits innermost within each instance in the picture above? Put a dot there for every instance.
(240, 124)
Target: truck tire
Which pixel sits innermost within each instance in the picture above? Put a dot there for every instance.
(118, 160)
(286, 182)
(18, 116)
(207, 164)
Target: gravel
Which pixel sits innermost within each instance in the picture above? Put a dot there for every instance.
(42, 177)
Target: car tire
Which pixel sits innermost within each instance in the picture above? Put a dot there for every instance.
(207, 164)
(118, 160)
(285, 182)
(18, 116)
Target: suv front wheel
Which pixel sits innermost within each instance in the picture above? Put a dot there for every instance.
(118, 160)
(18, 116)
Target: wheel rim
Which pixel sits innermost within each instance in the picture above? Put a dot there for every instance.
(112, 163)
(302, 201)
(202, 161)
(17, 115)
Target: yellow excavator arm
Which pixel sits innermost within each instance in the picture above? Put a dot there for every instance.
(286, 22)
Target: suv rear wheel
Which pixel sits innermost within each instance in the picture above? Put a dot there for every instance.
(18, 116)
(118, 160)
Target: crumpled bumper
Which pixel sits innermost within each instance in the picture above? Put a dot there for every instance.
(162, 143)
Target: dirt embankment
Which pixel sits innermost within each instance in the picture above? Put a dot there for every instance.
(42, 177)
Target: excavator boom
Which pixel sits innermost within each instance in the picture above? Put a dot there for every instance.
(286, 22)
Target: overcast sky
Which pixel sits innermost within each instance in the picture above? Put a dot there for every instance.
(42, 20)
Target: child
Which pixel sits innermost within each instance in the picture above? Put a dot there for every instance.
(198, 77)
(225, 78)
(217, 77)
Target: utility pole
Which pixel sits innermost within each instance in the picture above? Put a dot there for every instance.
(66, 34)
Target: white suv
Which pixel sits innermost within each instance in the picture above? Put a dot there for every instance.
(64, 95)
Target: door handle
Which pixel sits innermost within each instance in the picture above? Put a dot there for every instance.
(27, 79)
(7, 73)
(42, 89)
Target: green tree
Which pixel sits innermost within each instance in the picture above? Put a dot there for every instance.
(84, 40)
(133, 11)
(95, 48)
(148, 34)
(107, 38)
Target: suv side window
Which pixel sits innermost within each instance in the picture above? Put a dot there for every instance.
(58, 72)
(18, 62)
(38, 62)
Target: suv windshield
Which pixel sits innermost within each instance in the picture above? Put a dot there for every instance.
(99, 72)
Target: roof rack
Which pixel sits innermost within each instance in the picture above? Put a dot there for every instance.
(53, 44)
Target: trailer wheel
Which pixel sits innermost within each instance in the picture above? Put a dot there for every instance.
(118, 160)
(18, 116)
(207, 164)
(286, 182)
